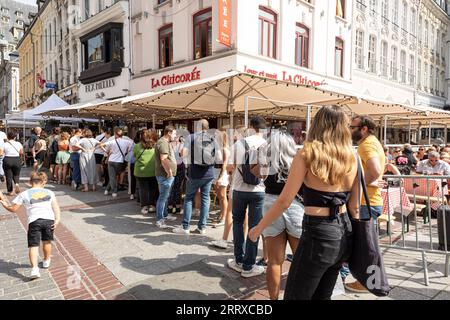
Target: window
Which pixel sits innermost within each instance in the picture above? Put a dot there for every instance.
(20, 23)
(384, 59)
(420, 30)
(373, 7)
(372, 59)
(361, 5)
(432, 44)
(340, 8)
(54, 35)
(86, 9)
(403, 66)
(339, 57)
(404, 19)
(19, 14)
(50, 37)
(394, 70)
(95, 51)
(425, 76)
(431, 78)
(411, 71)
(413, 22)
(437, 87)
(267, 32)
(46, 40)
(359, 49)
(426, 34)
(395, 16)
(165, 46)
(385, 12)
(101, 5)
(203, 34)
(5, 10)
(5, 19)
(301, 45)
(419, 74)
(443, 47)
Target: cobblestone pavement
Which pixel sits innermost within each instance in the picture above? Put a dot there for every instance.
(106, 249)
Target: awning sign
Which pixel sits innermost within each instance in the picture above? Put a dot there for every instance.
(225, 22)
(176, 78)
(286, 76)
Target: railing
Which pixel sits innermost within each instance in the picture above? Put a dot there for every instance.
(361, 6)
(408, 195)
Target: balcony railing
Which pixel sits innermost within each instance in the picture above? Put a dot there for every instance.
(361, 6)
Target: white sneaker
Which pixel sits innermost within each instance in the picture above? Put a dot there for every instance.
(106, 192)
(99, 184)
(131, 196)
(200, 231)
(17, 189)
(161, 224)
(35, 273)
(114, 195)
(180, 230)
(46, 263)
(171, 217)
(144, 210)
(222, 244)
(152, 209)
(73, 185)
(253, 272)
(233, 265)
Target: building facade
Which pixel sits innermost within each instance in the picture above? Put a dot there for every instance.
(276, 38)
(9, 84)
(103, 32)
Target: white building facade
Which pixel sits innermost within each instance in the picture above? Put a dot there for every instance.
(102, 32)
(282, 39)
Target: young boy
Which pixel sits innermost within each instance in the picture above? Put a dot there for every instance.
(43, 217)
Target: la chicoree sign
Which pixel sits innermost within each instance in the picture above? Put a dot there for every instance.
(196, 73)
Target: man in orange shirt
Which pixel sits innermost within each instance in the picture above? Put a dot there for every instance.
(372, 157)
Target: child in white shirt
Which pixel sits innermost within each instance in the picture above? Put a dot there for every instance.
(43, 217)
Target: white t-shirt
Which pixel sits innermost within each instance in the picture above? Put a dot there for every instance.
(254, 142)
(102, 139)
(12, 148)
(74, 142)
(38, 203)
(116, 155)
(3, 136)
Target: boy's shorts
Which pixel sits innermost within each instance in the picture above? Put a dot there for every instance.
(38, 230)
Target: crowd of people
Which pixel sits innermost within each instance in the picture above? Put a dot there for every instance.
(266, 186)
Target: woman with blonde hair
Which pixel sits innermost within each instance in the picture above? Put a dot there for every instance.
(326, 167)
(222, 177)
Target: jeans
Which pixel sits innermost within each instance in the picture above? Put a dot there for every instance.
(191, 189)
(376, 212)
(75, 164)
(255, 203)
(324, 245)
(148, 191)
(12, 167)
(165, 186)
(114, 169)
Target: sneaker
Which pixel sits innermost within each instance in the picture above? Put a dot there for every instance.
(46, 263)
(144, 210)
(200, 231)
(73, 185)
(100, 184)
(289, 257)
(114, 195)
(171, 217)
(106, 192)
(152, 209)
(355, 287)
(221, 244)
(261, 263)
(161, 224)
(218, 224)
(131, 196)
(178, 211)
(17, 189)
(34, 274)
(181, 230)
(253, 272)
(232, 264)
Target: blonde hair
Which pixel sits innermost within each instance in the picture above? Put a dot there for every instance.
(328, 149)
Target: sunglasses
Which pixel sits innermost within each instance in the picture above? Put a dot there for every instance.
(351, 127)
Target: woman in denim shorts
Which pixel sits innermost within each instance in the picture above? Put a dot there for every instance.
(287, 228)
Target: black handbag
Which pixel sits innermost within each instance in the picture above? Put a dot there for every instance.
(366, 262)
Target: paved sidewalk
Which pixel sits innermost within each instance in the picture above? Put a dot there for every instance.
(15, 267)
(120, 254)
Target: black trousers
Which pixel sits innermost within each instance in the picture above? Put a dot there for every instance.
(12, 167)
(148, 191)
(324, 245)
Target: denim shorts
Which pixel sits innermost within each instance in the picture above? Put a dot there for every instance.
(364, 212)
(290, 220)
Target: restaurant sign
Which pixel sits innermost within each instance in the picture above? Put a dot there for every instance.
(176, 78)
(109, 83)
(296, 78)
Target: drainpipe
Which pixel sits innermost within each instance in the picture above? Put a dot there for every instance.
(130, 40)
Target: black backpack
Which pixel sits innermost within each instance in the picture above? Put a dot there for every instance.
(54, 148)
(247, 176)
(203, 151)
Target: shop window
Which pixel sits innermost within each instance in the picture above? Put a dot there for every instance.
(166, 46)
(339, 57)
(203, 34)
(267, 32)
(302, 46)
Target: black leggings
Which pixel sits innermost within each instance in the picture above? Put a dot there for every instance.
(12, 166)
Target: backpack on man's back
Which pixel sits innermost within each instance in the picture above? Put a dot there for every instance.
(203, 151)
(246, 168)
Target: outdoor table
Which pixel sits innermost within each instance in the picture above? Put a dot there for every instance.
(394, 200)
(435, 190)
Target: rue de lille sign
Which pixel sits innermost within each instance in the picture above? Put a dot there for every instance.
(100, 85)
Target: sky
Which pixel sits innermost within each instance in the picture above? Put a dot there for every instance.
(32, 2)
